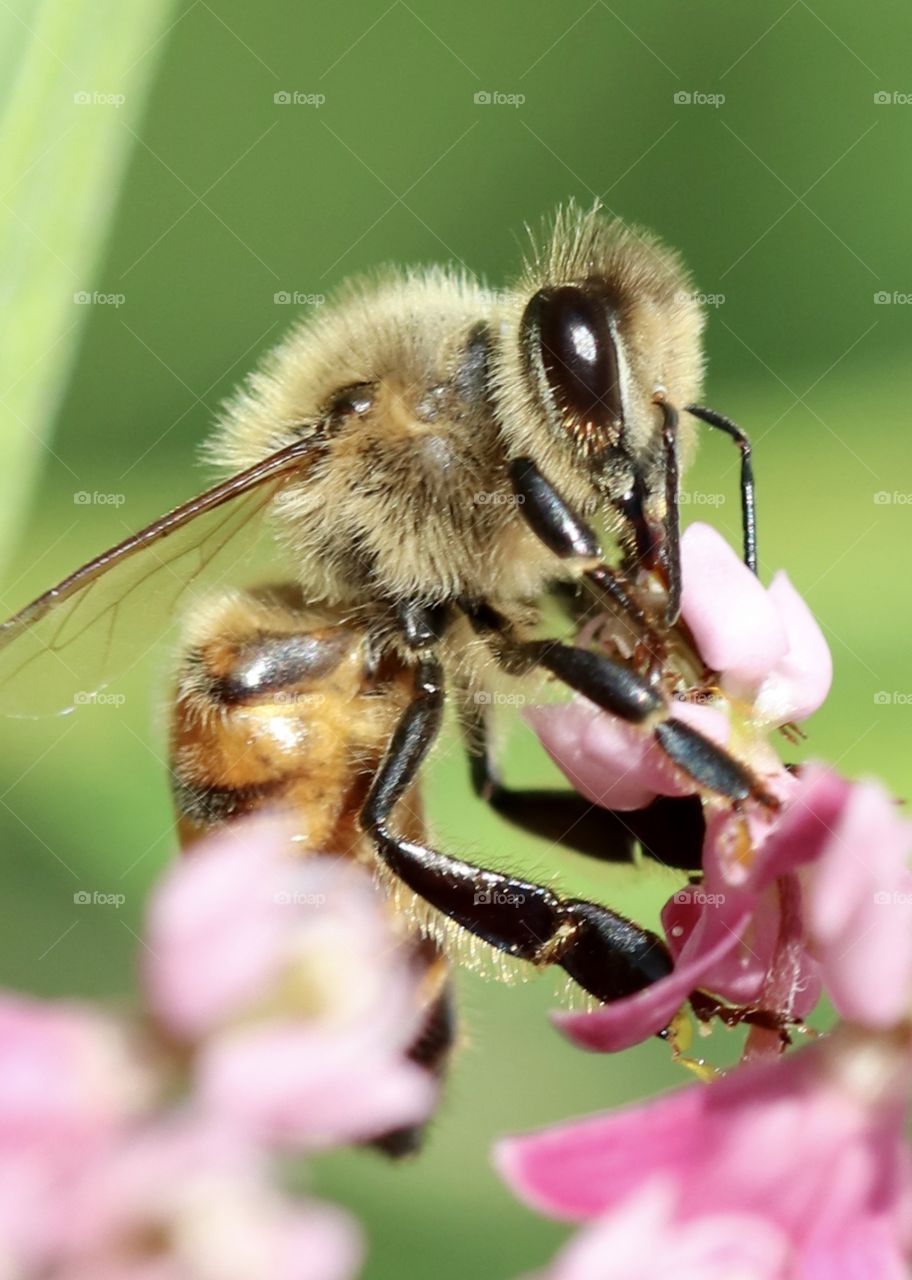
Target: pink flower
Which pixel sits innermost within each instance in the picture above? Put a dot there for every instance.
(71, 1080)
(753, 932)
(642, 1240)
(182, 1201)
(810, 1148)
(824, 897)
(284, 977)
(773, 666)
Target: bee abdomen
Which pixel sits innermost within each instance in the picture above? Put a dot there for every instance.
(276, 709)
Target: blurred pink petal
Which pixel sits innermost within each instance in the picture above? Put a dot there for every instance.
(859, 909)
(290, 1085)
(813, 1144)
(734, 622)
(640, 1240)
(289, 975)
(71, 1080)
(184, 1202)
(70, 1076)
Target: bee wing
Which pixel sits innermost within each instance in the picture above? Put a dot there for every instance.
(101, 620)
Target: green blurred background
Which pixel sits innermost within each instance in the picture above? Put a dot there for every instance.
(186, 208)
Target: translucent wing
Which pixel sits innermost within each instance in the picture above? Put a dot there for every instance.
(104, 618)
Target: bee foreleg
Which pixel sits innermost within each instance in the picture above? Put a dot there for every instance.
(604, 952)
(556, 524)
(625, 694)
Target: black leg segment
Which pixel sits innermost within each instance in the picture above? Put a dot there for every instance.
(748, 496)
(607, 954)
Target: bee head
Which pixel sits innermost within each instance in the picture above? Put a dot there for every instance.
(602, 324)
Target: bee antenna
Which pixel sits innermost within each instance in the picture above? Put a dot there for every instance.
(748, 497)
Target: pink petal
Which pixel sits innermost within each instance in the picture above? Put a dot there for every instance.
(287, 1085)
(799, 1142)
(860, 909)
(640, 1240)
(202, 1200)
(801, 678)
(736, 626)
(739, 975)
(613, 764)
(213, 929)
(605, 760)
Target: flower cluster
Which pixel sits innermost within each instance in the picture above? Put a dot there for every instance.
(278, 1011)
(789, 1168)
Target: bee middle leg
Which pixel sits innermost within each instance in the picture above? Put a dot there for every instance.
(602, 951)
(670, 831)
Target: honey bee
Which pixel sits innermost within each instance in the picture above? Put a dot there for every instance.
(435, 460)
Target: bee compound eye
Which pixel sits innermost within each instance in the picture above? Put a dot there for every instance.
(569, 328)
